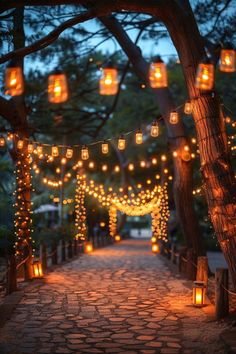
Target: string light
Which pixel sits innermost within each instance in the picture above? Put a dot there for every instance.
(105, 147)
(188, 108)
(2, 141)
(69, 153)
(139, 137)
(155, 129)
(84, 153)
(80, 210)
(174, 117)
(121, 143)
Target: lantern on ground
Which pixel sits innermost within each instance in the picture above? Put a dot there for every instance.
(57, 87)
(158, 73)
(139, 137)
(117, 238)
(121, 143)
(69, 153)
(105, 147)
(2, 141)
(188, 107)
(227, 59)
(155, 248)
(174, 117)
(14, 81)
(37, 269)
(108, 84)
(153, 239)
(155, 129)
(88, 247)
(199, 293)
(205, 75)
(84, 153)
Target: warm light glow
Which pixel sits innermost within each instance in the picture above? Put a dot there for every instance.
(69, 153)
(88, 247)
(117, 168)
(139, 137)
(154, 161)
(205, 76)
(104, 168)
(163, 158)
(153, 239)
(2, 141)
(174, 117)
(227, 60)
(57, 88)
(121, 143)
(105, 147)
(155, 129)
(188, 107)
(30, 148)
(20, 144)
(155, 248)
(91, 164)
(131, 167)
(158, 74)
(55, 151)
(108, 84)
(84, 153)
(63, 160)
(142, 164)
(117, 238)
(102, 224)
(14, 81)
(37, 269)
(199, 293)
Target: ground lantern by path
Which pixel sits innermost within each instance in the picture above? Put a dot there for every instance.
(108, 84)
(199, 293)
(158, 73)
(227, 60)
(155, 248)
(205, 75)
(14, 81)
(153, 239)
(37, 269)
(57, 88)
(117, 238)
(88, 247)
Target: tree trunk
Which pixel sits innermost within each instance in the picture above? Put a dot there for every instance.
(216, 167)
(183, 187)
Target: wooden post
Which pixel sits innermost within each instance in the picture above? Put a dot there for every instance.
(191, 269)
(202, 269)
(43, 256)
(75, 247)
(221, 295)
(63, 250)
(54, 253)
(70, 250)
(11, 275)
(173, 252)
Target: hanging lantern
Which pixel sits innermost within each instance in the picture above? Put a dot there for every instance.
(84, 153)
(158, 73)
(30, 147)
(69, 153)
(14, 81)
(39, 149)
(199, 293)
(55, 151)
(108, 84)
(37, 269)
(2, 141)
(139, 137)
(117, 238)
(57, 87)
(20, 144)
(105, 147)
(88, 247)
(205, 75)
(227, 59)
(155, 248)
(155, 129)
(174, 117)
(188, 107)
(121, 143)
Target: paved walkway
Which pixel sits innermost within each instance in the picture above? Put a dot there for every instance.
(121, 299)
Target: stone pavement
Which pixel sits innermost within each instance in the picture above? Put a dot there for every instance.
(120, 299)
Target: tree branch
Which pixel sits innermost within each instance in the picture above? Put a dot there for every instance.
(53, 35)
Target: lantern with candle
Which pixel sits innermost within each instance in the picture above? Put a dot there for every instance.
(121, 143)
(139, 137)
(188, 107)
(105, 147)
(88, 247)
(199, 293)
(155, 129)
(84, 153)
(57, 87)
(205, 75)
(108, 84)
(37, 269)
(174, 117)
(227, 59)
(14, 81)
(158, 73)
(117, 238)
(155, 248)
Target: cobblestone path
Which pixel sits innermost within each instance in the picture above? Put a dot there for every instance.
(121, 299)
